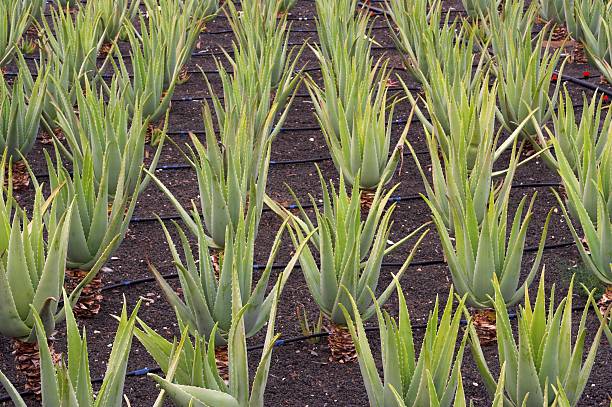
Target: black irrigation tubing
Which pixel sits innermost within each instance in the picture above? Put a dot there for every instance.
(416, 263)
(293, 30)
(393, 199)
(382, 11)
(300, 95)
(149, 219)
(185, 133)
(586, 84)
(185, 166)
(204, 71)
(564, 78)
(210, 53)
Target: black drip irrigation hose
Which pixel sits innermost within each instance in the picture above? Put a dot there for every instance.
(586, 84)
(381, 11)
(284, 129)
(416, 263)
(304, 95)
(185, 166)
(204, 53)
(148, 219)
(182, 166)
(300, 95)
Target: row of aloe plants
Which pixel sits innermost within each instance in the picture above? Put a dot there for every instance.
(511, 86)
(350, 251)
(96, 175)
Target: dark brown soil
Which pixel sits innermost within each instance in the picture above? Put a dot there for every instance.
(301, 374)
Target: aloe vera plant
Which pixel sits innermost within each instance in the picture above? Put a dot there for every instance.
(478, 251)
(350, 251)
(598, 230)
(451, 95)
(107, 130)
(410, 24)
(461, 116)
(463, 157)
(74, 42)
(285, 6)
(69, 50)
(353, 115)
(232, 177)
(257, 79)
(582, 17)
(176, 25)
(340, 30)
(543, 363)
(31, 267)
(33, 9)
(67, 3)
(423, 35)
(207, 300)
(113, 16)
(56, 80)
(262, 38)
(478, 8)
(13, 23)
(584, 153)
(200, 12)
(95, 230)
(514, 23)
(432, 379)
(524, 73)
(598, 39)
(267, 107)
(68, 383)
(195, 363)
(344, 54)
(234, 172)
(560, 399)
(20, 112)
(146, 83)
(591, 131)
(351, 106)
(525, 76)
(553, 10)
